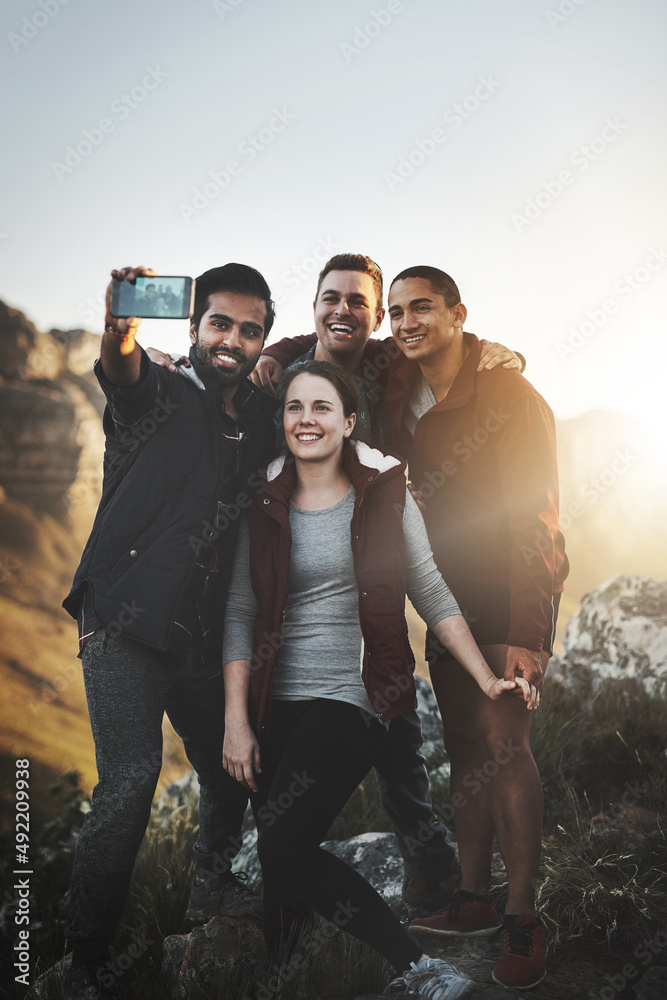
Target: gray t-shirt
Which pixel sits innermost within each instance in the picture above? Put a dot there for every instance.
(321, 644)
(421, 401)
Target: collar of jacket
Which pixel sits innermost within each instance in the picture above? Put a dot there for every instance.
(462, 387)
(362, 464)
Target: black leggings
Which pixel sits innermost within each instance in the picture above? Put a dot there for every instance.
(313, 758)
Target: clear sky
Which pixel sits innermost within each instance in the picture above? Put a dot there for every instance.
(520, 145)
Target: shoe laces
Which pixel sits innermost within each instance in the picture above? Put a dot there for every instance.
(435, 979)
(454, 907)
(519, 938)
(238, 882)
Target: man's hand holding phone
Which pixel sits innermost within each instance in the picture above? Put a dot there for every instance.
(124, 327)
(120, 361)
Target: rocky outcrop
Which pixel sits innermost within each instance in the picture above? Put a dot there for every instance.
(620, 632)
(50, 434)
(224, 955)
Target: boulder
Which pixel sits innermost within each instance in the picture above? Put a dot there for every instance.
(375, 856)
(620, 632)
(428, 711)
(223, 957)
(652, 985)
(432, 731)
(39, 447)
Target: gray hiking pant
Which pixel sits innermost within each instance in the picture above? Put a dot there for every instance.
(129, 687)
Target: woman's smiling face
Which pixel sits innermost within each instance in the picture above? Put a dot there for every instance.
(314, 421)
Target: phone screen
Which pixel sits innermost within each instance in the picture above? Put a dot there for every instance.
(159, 297)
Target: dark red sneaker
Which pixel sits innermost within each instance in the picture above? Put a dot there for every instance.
(522, 963)
(467, 915)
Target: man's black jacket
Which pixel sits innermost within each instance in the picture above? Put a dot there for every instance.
(165, 466)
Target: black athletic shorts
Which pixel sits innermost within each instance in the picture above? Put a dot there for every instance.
(486, 608)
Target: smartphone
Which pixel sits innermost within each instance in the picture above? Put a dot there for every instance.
(159, 297)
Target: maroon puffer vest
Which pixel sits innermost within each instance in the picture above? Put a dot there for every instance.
(380, 567)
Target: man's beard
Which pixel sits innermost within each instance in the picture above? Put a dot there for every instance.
(205, 355)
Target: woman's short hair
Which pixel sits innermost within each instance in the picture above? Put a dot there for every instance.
(346, 385)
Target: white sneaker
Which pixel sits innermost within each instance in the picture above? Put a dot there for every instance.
(435, 979)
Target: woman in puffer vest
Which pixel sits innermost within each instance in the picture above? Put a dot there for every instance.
(317, 660)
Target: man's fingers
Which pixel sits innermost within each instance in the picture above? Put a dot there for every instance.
(494, 354)
(266, 383)
(270, 377)
(241, 771)
(125, 326)
(249, 777)
(164, 360)
(267, 374)
(508, 674)
(132, 273)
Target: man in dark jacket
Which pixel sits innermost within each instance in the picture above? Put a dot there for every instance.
(482, 451)
(183, 455)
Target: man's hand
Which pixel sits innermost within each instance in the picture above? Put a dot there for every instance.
(526, 667)
(164, 360)
(240, 754)
(266, 374)
(417, 496)
(127, 327)
(494, 354)
(120, 361)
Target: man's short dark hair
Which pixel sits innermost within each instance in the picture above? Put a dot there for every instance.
(440, 283)
(238, 278)
(353, 262)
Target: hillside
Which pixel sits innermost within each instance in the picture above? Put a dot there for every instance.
(51, 444)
